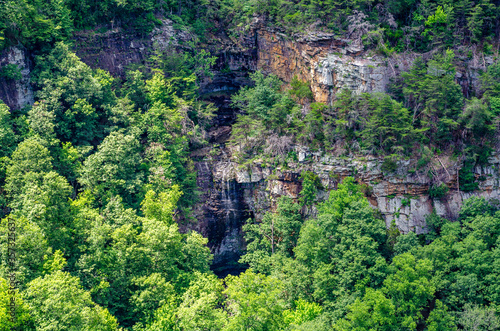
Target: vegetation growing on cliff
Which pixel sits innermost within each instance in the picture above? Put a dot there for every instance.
(424, 112)
(97, 177)
(389, 26)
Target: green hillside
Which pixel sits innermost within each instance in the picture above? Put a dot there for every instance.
(100, 189)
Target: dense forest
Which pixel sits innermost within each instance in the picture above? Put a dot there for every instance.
(97, 181)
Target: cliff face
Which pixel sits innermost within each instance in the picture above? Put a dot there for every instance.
(16, 93)
(401, 196)
(230, 193)
(322, 60)
(115, 50)
(329, 65)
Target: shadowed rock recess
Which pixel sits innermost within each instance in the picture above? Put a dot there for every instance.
(231, 193)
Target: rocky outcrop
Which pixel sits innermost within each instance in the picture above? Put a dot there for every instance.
(116, 49)
(16, 93)
(330, 64)
(231, 193)
(323, 61)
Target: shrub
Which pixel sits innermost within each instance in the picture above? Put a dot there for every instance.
(300, 89)
(466, 178)
(438, 191)
(10, 72)
(389, 165)
(366, 189)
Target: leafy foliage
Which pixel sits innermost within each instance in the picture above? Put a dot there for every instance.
(57, 301)
(276, 234)
(99, 179)
(113, 170)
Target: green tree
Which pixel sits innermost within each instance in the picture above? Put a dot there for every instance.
(114, 168)
(161, 207)
(134, 88)
(409, 285)
(58, 302)
(30, 157)
(264, 104)
(277, 233)
(42, 122)
(166, 123)
(7, 137)
(434, 96)
(44, 200)
(200, 306)
(152, 291)
(312, 132)
(36, 24)
(440, 319)
(69, 89)
(464, 256)
(346, 114)
(300, 89)
(123, 115)
(439, 26)
(162, 172)
(374, 312)
(406, 243)
(388, 128)
(22, 316)
(31, 249)
(310, 185)
(490, 83)
(79, 123)
(254, 302)
(343, 244)
(478, 119)
(69, 160)
(141, 262)
(304, 312)
(398, 304)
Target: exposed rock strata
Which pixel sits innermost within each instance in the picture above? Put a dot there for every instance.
(322, 61)
(401, 196)
(328, 63)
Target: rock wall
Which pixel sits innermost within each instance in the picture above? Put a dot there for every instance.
(116, 49)
(16, 93)
(328, 63)
(323, 61)
(331, 64)
(230, 193)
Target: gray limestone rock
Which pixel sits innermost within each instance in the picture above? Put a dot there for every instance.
(16, 93)
(357, 74)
